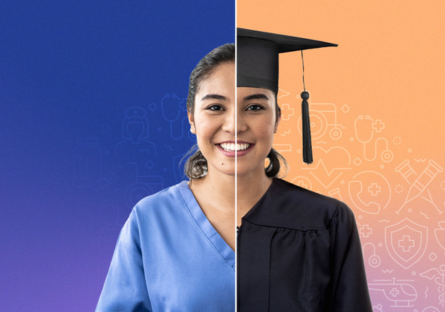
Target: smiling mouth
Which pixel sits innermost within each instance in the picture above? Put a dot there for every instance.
(232, 147)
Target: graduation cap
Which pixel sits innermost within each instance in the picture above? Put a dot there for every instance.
(257, 67)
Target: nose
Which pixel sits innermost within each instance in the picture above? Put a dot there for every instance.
(230, 123)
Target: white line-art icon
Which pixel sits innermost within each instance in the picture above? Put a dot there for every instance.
(430, 309)
(365, 230)
(421, 183)
(303, 182)
(407, 171)
(365, 127)
(335, 193)
(135, 132)
(373, 260)
(135, 135)
(171, 106)
(282, 93)
(283, 147)
(287, 112)
(440, 234)
(330, 173)
(287, 132)
(323, 116)
(377, 308)
(144, 186)
(438, 275)
(400, 293)
(406, 242)
(369, 191)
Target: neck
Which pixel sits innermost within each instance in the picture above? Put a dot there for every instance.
(219, 187)
(250, 188)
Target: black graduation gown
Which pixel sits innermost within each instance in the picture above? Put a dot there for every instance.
(300, 251)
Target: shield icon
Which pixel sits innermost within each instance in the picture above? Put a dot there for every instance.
(406, 242)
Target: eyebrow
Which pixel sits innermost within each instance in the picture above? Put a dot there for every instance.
(257, 96)
(214, 97)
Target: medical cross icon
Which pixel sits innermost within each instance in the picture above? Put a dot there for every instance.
(394, 292)
(374, 189)
(378, 125)
(365, 230)
(286, 112)
(406, 243)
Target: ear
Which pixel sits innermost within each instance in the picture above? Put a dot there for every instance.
(277, 123)
(192, 123)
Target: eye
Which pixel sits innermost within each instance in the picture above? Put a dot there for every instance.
(215, 108)
(254, 107)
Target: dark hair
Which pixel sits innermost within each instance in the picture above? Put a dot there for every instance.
(205, 67)
(196, 165)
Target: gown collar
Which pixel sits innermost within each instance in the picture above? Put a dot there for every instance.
(250, 215)
(214, 237)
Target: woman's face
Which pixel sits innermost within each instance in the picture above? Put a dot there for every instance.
(213, 122)
(257, 124)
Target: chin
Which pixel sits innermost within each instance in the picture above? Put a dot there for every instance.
(244, 172)
(245, 169)
(226, 169)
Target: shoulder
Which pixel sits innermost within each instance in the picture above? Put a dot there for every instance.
(291, 206)
(293, 194)
(153, 214)
(160, 203)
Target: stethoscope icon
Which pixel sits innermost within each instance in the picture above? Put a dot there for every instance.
(373, 260)
(364, 132)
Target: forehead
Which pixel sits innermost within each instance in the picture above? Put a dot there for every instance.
(246, 93)
(220, 80)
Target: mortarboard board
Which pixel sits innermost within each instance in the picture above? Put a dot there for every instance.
(257, 67)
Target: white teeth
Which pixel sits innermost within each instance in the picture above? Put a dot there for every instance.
(230, 147)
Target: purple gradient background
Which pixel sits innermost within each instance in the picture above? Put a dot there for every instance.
(69, 70)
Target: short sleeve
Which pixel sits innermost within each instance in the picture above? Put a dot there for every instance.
(348, 289)
(125, 288)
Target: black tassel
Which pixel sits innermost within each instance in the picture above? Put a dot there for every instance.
(307, 144)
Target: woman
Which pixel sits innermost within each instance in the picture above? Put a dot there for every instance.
(297, 250)
(175, 252)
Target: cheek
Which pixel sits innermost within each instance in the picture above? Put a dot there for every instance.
(205, 128)
(265, 128)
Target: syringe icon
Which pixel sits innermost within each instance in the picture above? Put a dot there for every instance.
(422, 181)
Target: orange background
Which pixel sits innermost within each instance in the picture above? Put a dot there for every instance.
(389, 60)
(388, 70)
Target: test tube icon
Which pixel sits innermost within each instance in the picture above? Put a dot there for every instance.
(422, 182)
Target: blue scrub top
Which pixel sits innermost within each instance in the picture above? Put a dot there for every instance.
(170, 258)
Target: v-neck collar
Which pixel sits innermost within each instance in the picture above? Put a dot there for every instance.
(207, 228)
(257, 204)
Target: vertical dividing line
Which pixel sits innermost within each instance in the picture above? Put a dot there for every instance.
(236, 162)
